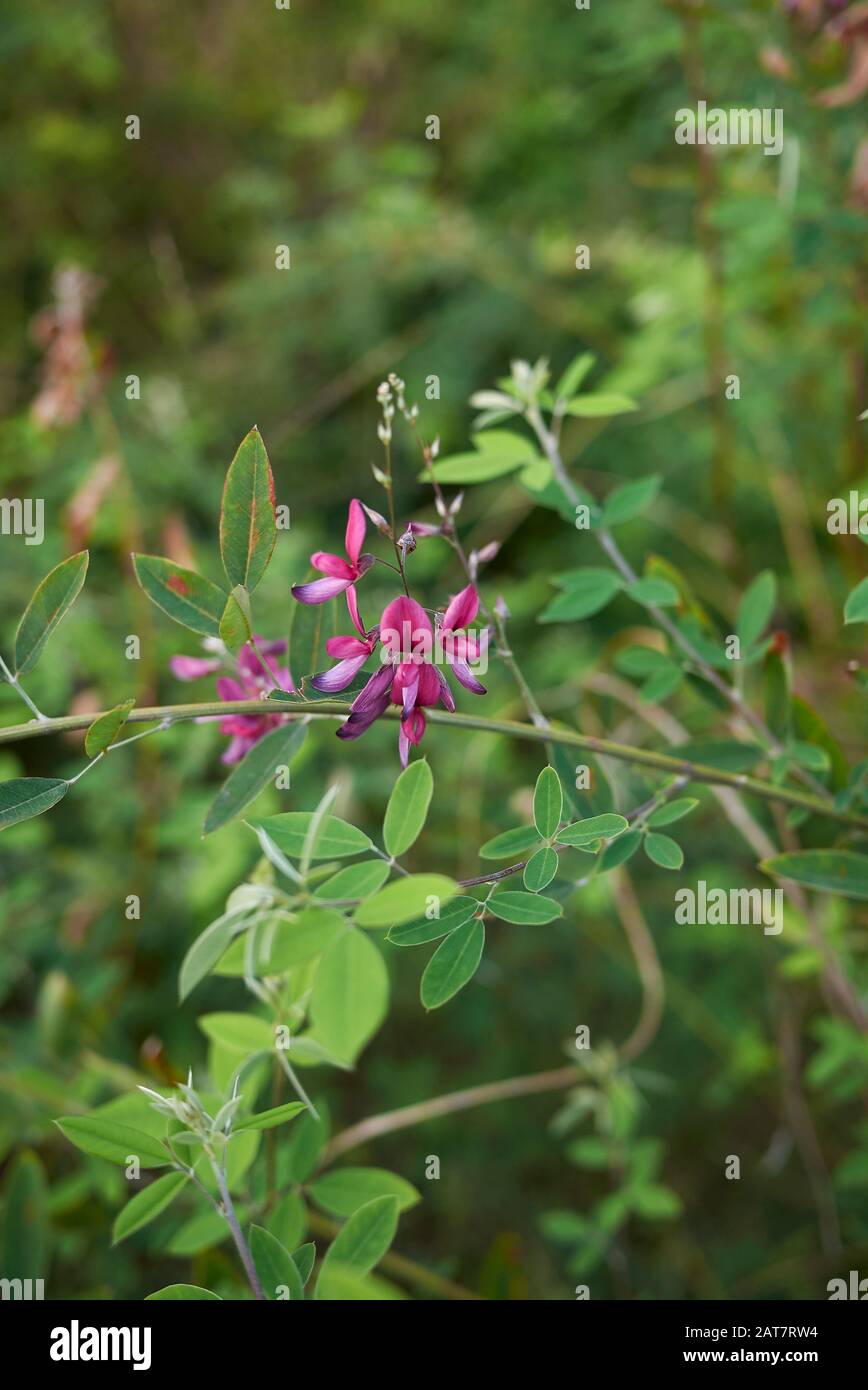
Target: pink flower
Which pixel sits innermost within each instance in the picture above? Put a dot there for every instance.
(408, 676)
(342, 574)
(253, 681)
(458, 648)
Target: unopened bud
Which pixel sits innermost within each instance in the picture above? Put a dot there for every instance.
(379, 521)
(455, 504)
(488, 552)
(500, 608)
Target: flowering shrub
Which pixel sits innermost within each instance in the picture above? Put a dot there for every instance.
(299, 932)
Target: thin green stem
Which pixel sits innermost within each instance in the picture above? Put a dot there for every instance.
(232, 1221)
(19, 691)
(509, 728)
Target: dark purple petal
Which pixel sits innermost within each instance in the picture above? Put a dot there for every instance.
(376, 690)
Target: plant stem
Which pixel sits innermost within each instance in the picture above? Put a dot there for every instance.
(232, 1222)
(21, 693)
(333, 709)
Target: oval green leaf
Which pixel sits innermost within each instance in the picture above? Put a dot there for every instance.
(524, 908)
(192, 601)
(664, 851)
(510, 843)
(112, 1141)
(24, 797)
(594, 828)
(147, 1205)
(104, 730)
(256, 769)
(540, 869)
(51, 600)
(548, 803)
(404, 899)
(456, 912)
(350, 995)
(841, 871)
(343, 1190)
(336, 838)
(248, 530)
(407, 808)
(453, 964)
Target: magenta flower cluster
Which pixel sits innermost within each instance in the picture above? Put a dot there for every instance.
(411, 648)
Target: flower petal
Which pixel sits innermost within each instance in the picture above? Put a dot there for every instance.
(339, 677)
(355, 534)
(467, 678)
(333, 565)
(229, 689)
(413, 725)
(320, 591)
(376, 690)
(353, 609)
(405, 630)
(190, 668)
(446, 696)
(462, 609)
(342, 647)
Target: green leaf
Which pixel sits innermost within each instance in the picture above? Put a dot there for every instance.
(147, 1205)
(270, 1119)
(599, 404)
(26, 1213)
(303, 1258)
(776, 695)
(362, 1242)
(661, 684)
(207, 949)
(657, 1203)
(51, 601)
(181, 1293)
(630, 500)
(306, 1142)
(241, 1033)
(24, 797)
(664, 851)
(355, 881)
(510, 843)
(594, 828)
(343, 1285)
(548, 803)
(498, 452)
(284, 944)
(343, 1190)
(192, 601)
(620, 850)
(641, 661)
(809, 755)
(404, 899)
(657, 593)
(336, 838)
(856, 607)
(673, 811)
(274, 1265)
(248, 531)
(755, 609)
(840, 871)
(104, 730)
(520, 907)
(574, 375)
(112, 1141)
(235, 625)
(407, 808)
(456, 912)
(256, 769)
(540, 869)
(453, 964)
(586, 591)
(350, 995)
